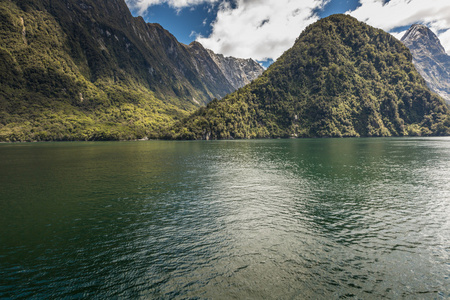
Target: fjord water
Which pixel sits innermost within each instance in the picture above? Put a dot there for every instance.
(261, 219)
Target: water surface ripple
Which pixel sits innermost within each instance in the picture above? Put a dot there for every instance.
(263, 219)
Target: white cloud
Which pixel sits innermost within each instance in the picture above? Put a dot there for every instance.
(260, 29)
(399, 34)
(444, 37)
(397, 13)
(143, 5)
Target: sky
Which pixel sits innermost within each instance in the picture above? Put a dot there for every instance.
(264, 29)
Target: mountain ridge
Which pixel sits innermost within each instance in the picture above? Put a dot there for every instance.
(83, 63)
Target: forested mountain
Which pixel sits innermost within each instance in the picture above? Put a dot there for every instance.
(341, 78)
(430, 59)
(76, 70)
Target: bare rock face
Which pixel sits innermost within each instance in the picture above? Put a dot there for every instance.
(238, 72)
(430, 59)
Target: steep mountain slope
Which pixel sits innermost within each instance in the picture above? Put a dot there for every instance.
(430, 59)
(238, 71)
(89, 70)
(341, 78)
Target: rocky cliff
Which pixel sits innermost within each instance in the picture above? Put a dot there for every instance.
(238, 71)
(430, 59)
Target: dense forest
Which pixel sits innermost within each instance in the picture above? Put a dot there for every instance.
(342, 78)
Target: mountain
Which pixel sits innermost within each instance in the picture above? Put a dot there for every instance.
(341, 78)
(89, 70)
(237, 71)
(430, 59)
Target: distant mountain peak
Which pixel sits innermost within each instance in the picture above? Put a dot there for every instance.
(430, 58)
(237, 71)
(419, 34)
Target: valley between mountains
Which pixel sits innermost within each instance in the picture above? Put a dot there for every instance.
(89, 70)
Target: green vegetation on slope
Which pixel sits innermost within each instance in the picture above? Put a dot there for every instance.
(341, 78)
(46, 94)
(89, 70)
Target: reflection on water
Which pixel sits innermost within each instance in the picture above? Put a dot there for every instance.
(313, 218)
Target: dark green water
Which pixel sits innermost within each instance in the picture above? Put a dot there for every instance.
(264, 219)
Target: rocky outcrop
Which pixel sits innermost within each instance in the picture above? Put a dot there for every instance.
(238, 71)
(430, 59)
